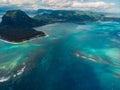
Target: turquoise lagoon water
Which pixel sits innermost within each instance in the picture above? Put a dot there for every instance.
(71, 57)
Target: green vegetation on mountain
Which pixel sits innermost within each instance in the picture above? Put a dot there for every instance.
(75, 16)
(17, 26)
(67, 16)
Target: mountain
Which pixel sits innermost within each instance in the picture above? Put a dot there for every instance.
(111, 17)
(74, 16)
(17, 26)
(18, 18)
(67, 16)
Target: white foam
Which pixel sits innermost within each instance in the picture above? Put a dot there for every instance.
(77, 54)
(92, 59)
(85, 57)
(3, 79)
(21, 71)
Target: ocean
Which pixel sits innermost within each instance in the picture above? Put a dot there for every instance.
(71, 57)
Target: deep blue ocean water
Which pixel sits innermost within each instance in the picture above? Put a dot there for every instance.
(71, 57)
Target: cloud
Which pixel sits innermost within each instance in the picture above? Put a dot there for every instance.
(77, 4)
(94, 5)
(26, 4)
(56, 3)
(18, 2)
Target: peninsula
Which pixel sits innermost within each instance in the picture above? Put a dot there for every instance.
(17, 26)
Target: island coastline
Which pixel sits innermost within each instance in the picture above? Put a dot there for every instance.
(31, 39)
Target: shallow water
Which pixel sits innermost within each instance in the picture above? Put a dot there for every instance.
(72, 57)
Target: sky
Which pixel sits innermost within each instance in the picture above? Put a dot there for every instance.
(92, 5)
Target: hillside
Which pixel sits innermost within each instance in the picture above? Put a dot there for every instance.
(17, 26)
(67, 16)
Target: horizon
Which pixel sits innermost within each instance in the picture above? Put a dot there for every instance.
(34, 11)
